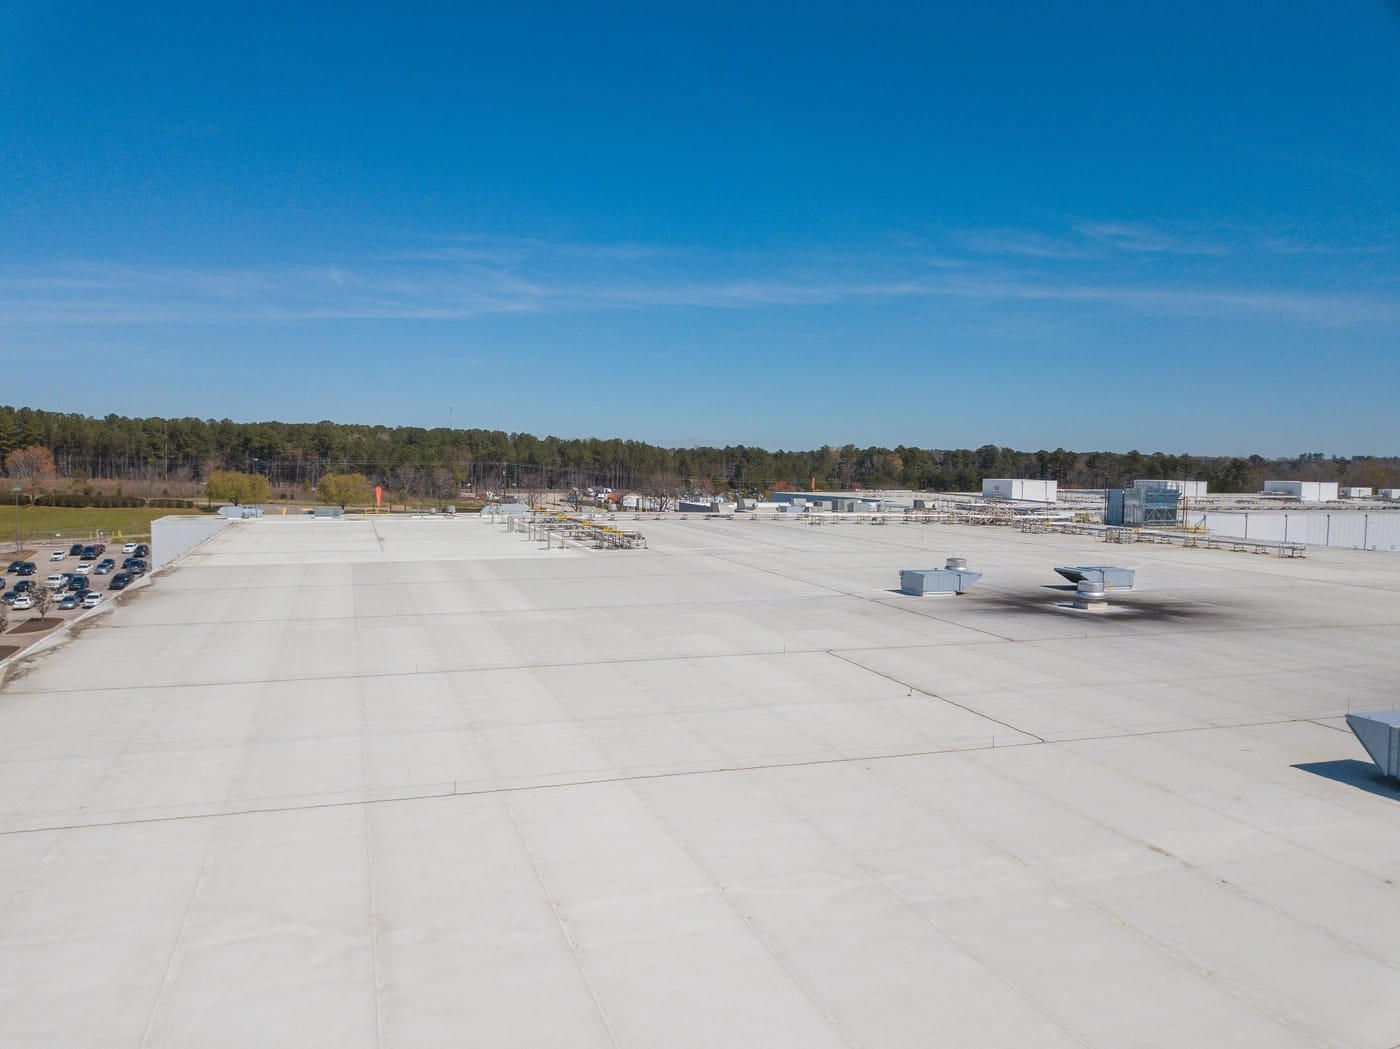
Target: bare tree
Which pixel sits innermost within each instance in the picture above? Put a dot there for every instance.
(147, 476)
(43, 601)
(663, 489)
(404, 480)
(32, 466)
(4, 616)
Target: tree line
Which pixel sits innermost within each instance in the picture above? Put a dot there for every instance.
(169, 456)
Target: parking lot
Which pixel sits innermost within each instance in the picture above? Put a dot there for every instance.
(77, 594)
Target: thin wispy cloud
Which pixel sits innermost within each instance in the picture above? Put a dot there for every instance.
(1139, 237)
(483, 248)
(1027, 244)
(462, 288)
(1290, 246)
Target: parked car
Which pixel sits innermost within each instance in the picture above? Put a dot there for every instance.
(84, 569)
(77, 583)
(24, 586)
(92, 599)
(14, 565)
(57, 555)
(104, 566)
(57, 581)
(89, 553)
(120, 581)
(25, 568)
(142, 550)
(75, 550)
(101, 548)
(21, 602)
(128, 548)
(138, 567)
(68, 602)
(9, 596)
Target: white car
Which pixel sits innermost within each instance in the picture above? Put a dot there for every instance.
(22, 602)
(128, 548)
(84, 568)
(58, 555)
(56, 581)
(92, 600)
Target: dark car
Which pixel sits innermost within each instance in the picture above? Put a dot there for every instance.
(120, 581)
(24, 586)
(25, 568)
(75, 550)
(101, 548)
(142, 550)
(77, 583)
(9, 597)
(14, 566)
(69, 601)
(138, 567)
(89, 553)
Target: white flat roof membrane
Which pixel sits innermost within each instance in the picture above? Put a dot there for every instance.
(387, 782)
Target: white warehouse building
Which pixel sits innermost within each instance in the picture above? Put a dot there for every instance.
(1304, 491)
(1019, 488)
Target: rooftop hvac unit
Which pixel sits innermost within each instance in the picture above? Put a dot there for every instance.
(1379, 733)
(1112, 578)
(921, 581)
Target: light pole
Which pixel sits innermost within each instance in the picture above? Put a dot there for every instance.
(16, 489)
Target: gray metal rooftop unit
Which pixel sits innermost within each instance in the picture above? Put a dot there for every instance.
(921, 581)
(1112, 578)
(1142, 507)
(1379, 733)
(1090, 595)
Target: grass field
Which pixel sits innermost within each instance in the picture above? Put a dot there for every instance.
(43, 524)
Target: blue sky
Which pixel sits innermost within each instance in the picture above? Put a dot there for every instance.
(1090, 225)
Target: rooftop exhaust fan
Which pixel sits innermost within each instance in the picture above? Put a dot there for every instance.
(1379, 733)
(1112, 578)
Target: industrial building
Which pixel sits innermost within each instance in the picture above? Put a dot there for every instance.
(1353, 529)
(374, 781)
(1354, 492)
(1019, 488)
(832, 502)
(1304, 491)
(1188, 489)
(1142, 507)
